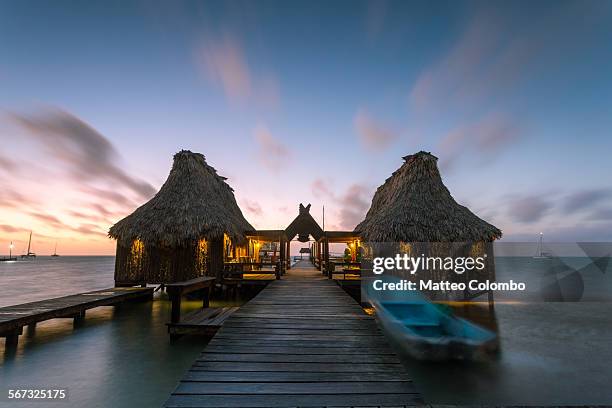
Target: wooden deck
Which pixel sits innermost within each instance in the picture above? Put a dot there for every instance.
(13, 318)
(302, 342)
(204, 322)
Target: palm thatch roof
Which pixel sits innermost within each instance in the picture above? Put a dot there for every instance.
(304, 225)
(194, 203)
(413, 205)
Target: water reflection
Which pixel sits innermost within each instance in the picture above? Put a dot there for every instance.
(120, 356)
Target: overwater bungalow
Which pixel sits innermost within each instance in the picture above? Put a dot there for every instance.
(190, 228)
(414, 209)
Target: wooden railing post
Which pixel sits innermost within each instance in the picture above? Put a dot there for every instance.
(206, 298)
(175, 316)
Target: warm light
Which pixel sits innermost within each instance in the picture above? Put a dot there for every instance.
(11, 246)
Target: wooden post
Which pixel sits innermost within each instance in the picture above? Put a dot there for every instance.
(12, 339)
(216, 259)
(319, 254)
(79, 318)
(175, 316)
(330, 274)
(206, 298)
(288, 254)
(282, 254)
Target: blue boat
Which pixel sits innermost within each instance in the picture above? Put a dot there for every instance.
(426, 331)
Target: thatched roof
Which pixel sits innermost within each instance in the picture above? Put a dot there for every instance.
(194, 203)
(413, 205)
(304, 225)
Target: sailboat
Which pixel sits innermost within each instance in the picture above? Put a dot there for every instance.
(540, 254)
(29, 254)
(55, 255)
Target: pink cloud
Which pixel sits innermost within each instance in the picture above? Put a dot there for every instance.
(225, 63)
(252, 207)
(348, 208)
(354, 204)
(373, 135)
(10, 229)
(7, 165)
(320, 188)
(272, 153)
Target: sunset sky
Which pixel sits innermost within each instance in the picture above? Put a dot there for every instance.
(312, 102)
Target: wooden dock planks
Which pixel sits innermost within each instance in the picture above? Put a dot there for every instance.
(299, 343)
(13, 318)
(201, 322)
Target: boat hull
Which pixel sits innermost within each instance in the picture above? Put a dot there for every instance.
(442, 349)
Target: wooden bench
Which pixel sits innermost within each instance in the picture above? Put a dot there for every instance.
(204, 322)
(178, 289)
(237, 269)
(347, 268)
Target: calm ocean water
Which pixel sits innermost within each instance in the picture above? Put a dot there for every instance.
(552, 352)
(119, 358)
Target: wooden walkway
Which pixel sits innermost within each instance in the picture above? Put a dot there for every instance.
(302, 342)
(13, 318)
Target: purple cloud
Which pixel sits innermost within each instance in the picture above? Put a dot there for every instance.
(351, 206)
(7, 164)
(586, 199)
(320, 189)
(528, 208)
(601, 214)
(482, 140)
(86, 152)
(252, 207)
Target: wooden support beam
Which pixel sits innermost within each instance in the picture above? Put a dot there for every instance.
(175, 314)
(206, 298)
(12, 339)
(79, 318)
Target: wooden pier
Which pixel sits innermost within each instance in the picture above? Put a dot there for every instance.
(301, 342)
(14, 318)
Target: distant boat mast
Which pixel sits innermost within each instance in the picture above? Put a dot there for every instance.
(29, 254)
(540, 254)
(55, 251)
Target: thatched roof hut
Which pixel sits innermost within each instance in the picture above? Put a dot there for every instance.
(413, 205)
(175, 235)
(194, 203)
(304, 225)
